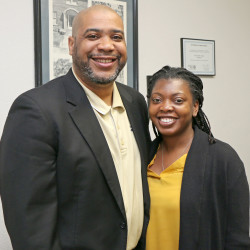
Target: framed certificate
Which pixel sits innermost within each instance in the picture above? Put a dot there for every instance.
(53, 25)
(198, 56)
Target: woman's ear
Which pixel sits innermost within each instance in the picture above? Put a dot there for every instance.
(195, 108)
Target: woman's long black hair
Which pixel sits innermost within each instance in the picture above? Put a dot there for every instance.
(196, 88)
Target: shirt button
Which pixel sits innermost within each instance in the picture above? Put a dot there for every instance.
(122, 142)
(123, 225)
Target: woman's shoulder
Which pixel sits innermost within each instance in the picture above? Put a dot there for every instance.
(219, 147)
(224, 150)
(223, 156)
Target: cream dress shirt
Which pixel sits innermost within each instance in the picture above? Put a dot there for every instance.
(126, 156)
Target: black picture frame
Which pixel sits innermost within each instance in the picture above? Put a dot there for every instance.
(198, 56)
(42, 35)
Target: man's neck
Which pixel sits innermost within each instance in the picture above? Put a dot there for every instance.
(104, 91)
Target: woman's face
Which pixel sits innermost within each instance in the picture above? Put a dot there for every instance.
(171, 107)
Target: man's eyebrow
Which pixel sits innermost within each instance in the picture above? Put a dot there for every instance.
(99, 30)
(118, 31)
(91, 30)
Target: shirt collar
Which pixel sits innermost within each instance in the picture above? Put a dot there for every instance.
(97, 103)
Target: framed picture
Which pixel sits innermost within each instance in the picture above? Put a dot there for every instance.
(198, 56)
(53, 25)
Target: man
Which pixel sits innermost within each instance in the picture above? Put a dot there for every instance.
(73, 153)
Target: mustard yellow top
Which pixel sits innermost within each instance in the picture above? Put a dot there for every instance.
(164, 225)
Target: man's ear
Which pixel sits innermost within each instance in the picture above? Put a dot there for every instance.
(71, 44)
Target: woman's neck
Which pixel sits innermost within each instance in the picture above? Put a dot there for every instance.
(171, 143)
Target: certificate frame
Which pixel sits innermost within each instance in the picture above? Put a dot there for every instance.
(46, 22)
(198, 56)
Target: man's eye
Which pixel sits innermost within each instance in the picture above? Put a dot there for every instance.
(92, 36)
(117, 37)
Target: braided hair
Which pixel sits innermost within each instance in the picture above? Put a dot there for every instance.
(196, 88)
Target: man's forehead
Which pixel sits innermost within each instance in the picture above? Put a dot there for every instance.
(97, 18)
(101, 24)
(100, 16)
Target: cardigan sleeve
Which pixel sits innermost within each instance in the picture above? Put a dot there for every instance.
(237, 235)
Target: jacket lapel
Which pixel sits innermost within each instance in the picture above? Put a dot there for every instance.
(192, 190)
(85, 120)
(134, 120)
(138, 128)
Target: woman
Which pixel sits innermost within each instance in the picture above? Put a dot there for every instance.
(198, 186)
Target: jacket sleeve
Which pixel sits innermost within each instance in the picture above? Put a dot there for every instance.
(237, 236)
(28, 177)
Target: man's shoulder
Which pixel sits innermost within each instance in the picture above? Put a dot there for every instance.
(53, 86)
(125, 89)
(47, 95)
(53, 89)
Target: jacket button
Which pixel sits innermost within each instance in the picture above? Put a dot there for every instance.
(123, 225)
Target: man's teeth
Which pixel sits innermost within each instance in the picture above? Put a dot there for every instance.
(167, 120)
(104, 60)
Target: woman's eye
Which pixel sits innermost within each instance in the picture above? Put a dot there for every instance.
(156, 100)
(178, 100)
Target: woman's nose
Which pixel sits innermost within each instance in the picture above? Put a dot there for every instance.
(167, 106)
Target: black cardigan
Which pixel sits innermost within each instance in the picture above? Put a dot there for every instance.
(214, 203)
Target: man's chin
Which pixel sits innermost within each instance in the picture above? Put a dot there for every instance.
(96, 76)
(103, 81)
(103, 78)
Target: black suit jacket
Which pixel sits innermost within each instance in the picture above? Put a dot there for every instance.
(59, 185)
(214, 202)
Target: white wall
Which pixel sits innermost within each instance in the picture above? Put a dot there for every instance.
(17, 65)
(161, 25)
(227, 22)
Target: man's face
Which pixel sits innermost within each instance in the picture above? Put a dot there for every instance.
(98, 49)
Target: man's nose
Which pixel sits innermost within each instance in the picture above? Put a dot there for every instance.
(106, 44)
